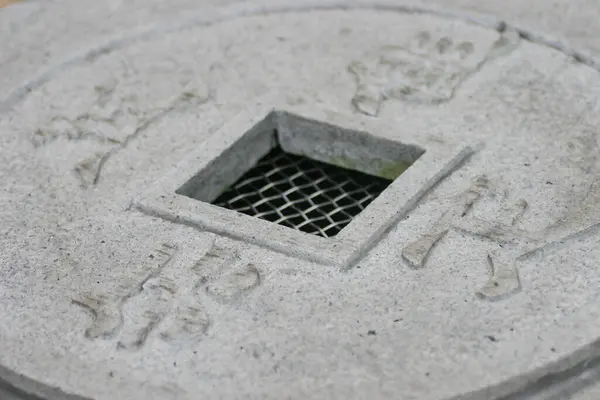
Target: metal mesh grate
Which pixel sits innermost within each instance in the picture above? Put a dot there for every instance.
(302, 193)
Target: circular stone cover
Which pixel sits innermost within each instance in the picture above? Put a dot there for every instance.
(473, 276)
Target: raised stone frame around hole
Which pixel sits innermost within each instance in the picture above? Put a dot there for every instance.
(382, 159)
(185, 194)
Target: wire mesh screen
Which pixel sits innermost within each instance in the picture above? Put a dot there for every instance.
(302, 193)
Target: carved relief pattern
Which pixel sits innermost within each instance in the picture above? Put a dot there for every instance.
(121, 110)
(107, 307)
(513, 244)
(169, 297)
(425, 70)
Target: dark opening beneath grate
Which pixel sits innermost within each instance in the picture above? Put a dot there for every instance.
(302, 193)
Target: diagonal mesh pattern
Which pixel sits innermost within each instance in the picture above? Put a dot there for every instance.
(302, 193)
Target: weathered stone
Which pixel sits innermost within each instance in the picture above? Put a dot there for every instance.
(471, 276)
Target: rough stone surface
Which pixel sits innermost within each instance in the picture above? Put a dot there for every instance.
(480, 282)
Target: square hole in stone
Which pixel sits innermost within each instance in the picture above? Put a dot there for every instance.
(304, 174)
(301, 193)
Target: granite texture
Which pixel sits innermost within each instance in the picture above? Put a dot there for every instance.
(470, 278)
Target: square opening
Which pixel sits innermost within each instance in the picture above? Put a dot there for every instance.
(300, 173)
(302, 193)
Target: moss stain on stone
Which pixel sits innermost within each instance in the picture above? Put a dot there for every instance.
(385, 169)
(343, 162)
(392, 170)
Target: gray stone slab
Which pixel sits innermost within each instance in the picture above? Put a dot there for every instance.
(472, 276)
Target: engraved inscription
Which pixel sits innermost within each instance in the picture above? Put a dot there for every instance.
(72, 130)
(154, 304)
(108, 307)
(234, 285)
(426, 70)
(513, 244)
(87, 170)
(504, 278)
(169, 295)
(121, 111)
(416, 252)
(190, 318)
